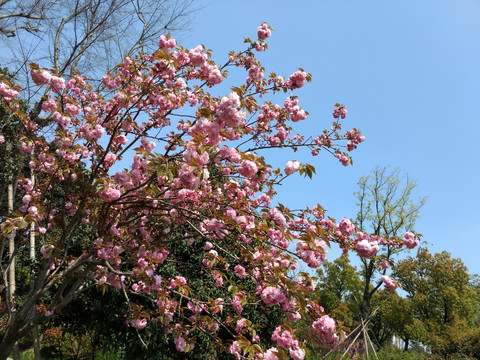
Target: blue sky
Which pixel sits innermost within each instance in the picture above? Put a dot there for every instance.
(409, 74)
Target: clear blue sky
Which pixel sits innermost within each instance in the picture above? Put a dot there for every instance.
(408, 72)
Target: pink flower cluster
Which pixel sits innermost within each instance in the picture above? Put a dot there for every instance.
(285, 339)
(180, 344)
(166, 44)
(270, 354)
(249, 169)
(389, 282)
(346, 227)
(273, 296)
(340, 111)
(40, 77)
(367, 249)
(355, 138)
(291, 167)
(296, 80)
(57, 83)
(7, 92)
(308, 285)
(110, 194)
(343, 159)
(296, 112)
(383, 265)
(312, 256)
(263, 32)
(228, 110)
(410, 241)
(325, 329)
(138, 323)
(240, 271)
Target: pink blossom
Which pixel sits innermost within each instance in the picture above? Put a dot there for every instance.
(2, 139)
(166, 44)
(291, 167)
(32, 210)
(240, 324)
(110, 194)
(237, 304)
(46, 250)
(283, 337)
(309, 285)
(296, 80)
(367, 249)
(41, 230)
(228, 110)
(7, 92)
(410, 241)
(49, 105)
(188, 177)
(40, 77)
(197, 56)
(272, 296)
(346, 227)
(240, 271)
(298, 114)
(72, 109)
(248, 169)
(313, 257)
(110, 159)
(384, 264)
(259, 47)
(325, 329)
(296, 352)
(263, 32)
(343, 159)
(219, 282)
(235, 350)
(180, 280)
(389, 282)
(277, 217)
(254, 73)
(180, 344)
(57, 83)
(340, 111)
(270, 354)
(212, 74)
(180, 84)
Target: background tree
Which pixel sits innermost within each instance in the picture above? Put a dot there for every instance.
(90, 36)
(338, 289)
(387, 210)
(444, 303)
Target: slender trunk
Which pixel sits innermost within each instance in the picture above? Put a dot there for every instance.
(11, 251)
(35, 334)
(405, 348)
(11, 269)
(367, 295)
(36, 343)
(16, 352)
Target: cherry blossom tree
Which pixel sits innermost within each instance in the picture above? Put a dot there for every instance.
(208, 185)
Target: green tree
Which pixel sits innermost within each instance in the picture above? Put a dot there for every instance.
(339, 285)
(444, 303)
(387, 210)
